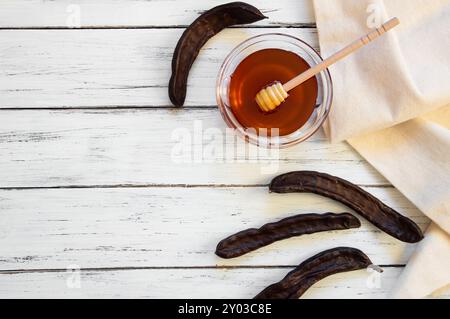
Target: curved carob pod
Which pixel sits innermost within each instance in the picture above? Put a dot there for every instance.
(365, 204)
(251, 239)
(195, 36)
(324, 264)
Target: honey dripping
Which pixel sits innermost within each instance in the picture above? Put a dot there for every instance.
(260, 69)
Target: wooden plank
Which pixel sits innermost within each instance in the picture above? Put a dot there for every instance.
(98, 68)
(137, 13)
(159, 227)
(179, 283)
(47, 148)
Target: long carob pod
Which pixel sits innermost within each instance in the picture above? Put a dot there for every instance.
(195, 36)
(324, 264)
(254, 238)
(365, 204)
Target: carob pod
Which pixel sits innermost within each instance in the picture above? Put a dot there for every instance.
(254, 238)
(313, 269)
(195, 36)
(365, 204)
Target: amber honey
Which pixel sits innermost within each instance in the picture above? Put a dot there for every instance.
(260, 69)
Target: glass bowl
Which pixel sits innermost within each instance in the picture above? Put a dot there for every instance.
(288, 43)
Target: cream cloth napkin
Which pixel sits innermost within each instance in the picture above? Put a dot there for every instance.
(392, 104)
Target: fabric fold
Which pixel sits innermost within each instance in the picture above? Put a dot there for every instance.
(426, 275)
(392, 104)
(400, 76)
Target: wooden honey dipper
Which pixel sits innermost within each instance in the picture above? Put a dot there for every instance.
(270, 97)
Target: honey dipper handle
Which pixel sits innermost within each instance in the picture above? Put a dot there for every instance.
(355, 45)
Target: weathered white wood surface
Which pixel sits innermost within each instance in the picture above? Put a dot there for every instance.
(100, 189)
(147, 227)
(187, 283)
(42, 148)
(138, 13)
(99, 68)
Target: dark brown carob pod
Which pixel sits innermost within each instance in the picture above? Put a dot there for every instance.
(365, 204)
(195, 36)
(251, 239)
(324, 264)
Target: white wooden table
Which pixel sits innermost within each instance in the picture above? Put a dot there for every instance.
(92, 203)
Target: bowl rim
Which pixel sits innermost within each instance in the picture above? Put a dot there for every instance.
(222, 108)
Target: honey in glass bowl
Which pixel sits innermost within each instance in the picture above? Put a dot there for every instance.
(258, 62)
(257, 71)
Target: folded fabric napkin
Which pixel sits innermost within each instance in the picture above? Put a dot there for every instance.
(392, 104)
